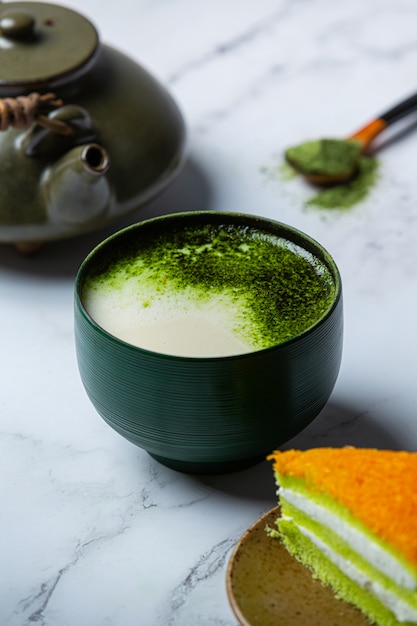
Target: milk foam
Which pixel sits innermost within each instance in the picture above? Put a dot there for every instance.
(177, 323)
(212, 291)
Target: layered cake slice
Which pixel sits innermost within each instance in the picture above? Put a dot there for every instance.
(350, 515)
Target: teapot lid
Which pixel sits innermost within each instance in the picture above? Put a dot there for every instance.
(42, 45)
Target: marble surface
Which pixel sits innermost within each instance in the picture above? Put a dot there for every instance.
(93, 531)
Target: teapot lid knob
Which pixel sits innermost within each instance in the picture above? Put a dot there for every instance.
(17, 24)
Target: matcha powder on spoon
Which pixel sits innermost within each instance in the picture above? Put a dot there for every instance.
(333, 158)
(328, 157)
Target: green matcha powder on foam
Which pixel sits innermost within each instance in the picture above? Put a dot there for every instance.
(284, 290)
(332, 157)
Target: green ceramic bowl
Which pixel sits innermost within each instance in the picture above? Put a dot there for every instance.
(214, 414)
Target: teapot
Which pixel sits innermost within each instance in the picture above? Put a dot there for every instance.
(87, 135)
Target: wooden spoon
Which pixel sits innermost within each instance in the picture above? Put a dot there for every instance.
(333, 161)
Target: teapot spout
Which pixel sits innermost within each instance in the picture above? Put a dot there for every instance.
(76, 189)
(94, 159)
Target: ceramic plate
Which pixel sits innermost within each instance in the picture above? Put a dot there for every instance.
(266, 586)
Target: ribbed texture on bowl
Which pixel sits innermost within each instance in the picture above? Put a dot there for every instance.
(209, 414)
(209, 410)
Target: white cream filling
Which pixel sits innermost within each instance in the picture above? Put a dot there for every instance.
(373, 552)
(401, 609)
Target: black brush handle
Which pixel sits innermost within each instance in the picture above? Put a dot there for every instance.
(400, 110)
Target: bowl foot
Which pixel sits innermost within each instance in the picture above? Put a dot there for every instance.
(215, 467)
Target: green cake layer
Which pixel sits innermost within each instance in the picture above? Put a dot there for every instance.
(332, 559)
(298, 486)
(307, 553)
(295, 521)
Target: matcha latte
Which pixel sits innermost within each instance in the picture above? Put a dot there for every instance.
(209, 290)
(208, 338)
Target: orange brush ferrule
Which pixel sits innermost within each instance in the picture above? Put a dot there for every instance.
(366, 134)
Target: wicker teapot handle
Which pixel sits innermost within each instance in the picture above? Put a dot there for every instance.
(23, 111)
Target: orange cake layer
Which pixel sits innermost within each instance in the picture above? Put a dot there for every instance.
(379, 487)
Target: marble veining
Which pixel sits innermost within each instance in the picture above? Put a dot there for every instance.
(93, 531)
